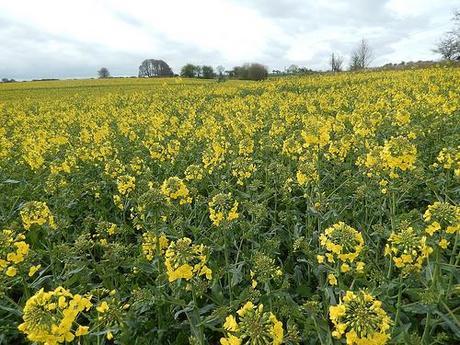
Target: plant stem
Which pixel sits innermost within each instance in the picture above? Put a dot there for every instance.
(398, 303)
(453, 261)
(227, 268)
(318, 331)
(196, 331)
(425, 330)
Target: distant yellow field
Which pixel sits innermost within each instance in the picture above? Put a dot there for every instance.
(300, 210)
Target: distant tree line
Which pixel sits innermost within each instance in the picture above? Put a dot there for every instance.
(196, 71)
(150, 68)
(293, 70)
(249, 71)
(6, 80)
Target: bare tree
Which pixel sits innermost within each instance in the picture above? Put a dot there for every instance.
(336, 63)
(103, 73)
(293, 69)
(354, 62)
(362, 56)
(220, 69)
(155, 68)
(220, 72)
(449, 46)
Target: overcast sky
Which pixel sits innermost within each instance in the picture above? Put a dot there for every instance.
(64, 39)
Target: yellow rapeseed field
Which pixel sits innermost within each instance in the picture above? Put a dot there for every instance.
(301, 210)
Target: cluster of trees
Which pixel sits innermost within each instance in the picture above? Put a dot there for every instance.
(158, 68)
(149, 68)
(293, 70)
(154, 68)
(196, 71)
(249, 71)
(449, 45)
(6, 80)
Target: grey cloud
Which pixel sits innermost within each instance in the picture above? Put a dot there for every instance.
(30, 53)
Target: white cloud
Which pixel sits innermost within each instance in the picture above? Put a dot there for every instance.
(413, 8)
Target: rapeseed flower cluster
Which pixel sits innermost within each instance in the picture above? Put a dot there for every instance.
(343, 245)
(194, 172)
(184, 260)
(395, 156)
(37, 213)
(443, 220)
(449, 158)
(252, 326)
(407, 249)
(50, 317)
(360, 319)
(152, 244)
(174, 188)
(126, 184)
(13, 251)
(242, 169)
(223, 209)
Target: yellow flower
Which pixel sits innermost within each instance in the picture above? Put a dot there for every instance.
(36, 212)
(103, 307)
(194, 172)
(231, 340)
(342, 243)
(443, 243)
(344, 268)
(151, 243)
(11, 271)
(277, 331)
(243, 310)
(336, 311)
(403, 242)
(34, 269)
(432, 228)
(82, 330)
(184, 271)
(331, 279)
(231, 324)
(126, 184)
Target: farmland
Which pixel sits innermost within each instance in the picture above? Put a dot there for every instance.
(303, 210)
